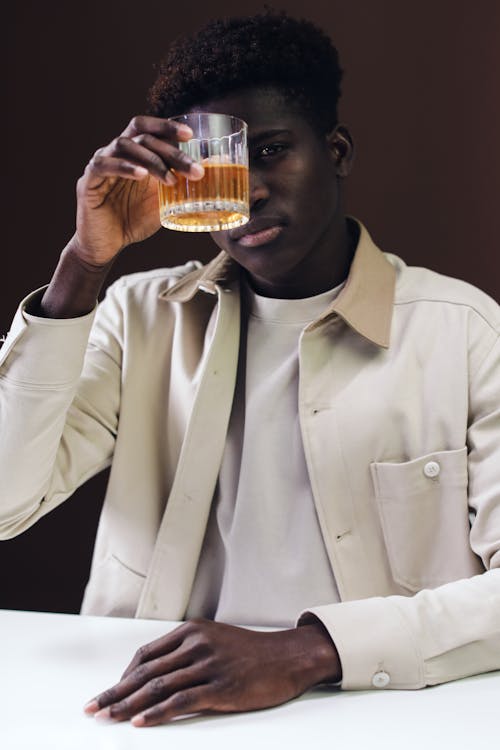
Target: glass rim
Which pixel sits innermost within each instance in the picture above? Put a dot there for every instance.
(176, 118)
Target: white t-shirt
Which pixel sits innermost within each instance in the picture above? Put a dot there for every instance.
(263, 559)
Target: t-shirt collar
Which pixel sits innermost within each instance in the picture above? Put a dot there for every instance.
(365, 301)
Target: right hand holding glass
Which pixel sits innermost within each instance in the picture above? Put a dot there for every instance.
(117, 196)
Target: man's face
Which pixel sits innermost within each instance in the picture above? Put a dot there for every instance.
(295, 212)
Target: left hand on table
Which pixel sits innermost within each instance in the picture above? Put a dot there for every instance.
(205, 666)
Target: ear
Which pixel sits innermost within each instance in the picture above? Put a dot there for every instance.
(341, 147)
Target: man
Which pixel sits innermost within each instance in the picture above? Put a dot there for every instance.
(304, 433)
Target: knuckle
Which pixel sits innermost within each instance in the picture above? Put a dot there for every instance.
(106, 698)
(120, 143)
(181, 701)
(156, 687)
(199, 642)
(188, 628)
(143, 139)
(198, 632)
(136, 123)
(167, 129)
(119, 709)
(96, 161)
(141, 655)
(194, 624)
(154, 161)
(200, 650)
(141, 673)
(184, 160)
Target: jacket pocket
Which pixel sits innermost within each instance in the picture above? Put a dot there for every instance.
(423, 509)
(113, 589)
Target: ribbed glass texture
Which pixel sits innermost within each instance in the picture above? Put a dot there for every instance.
(220, 199)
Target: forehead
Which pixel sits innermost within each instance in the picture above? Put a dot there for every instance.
(262, 108)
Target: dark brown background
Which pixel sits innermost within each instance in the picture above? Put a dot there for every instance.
(421, 97)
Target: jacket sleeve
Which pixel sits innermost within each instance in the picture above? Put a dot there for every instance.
(451, 631)
(59, 406)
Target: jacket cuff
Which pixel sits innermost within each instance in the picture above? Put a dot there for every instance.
(375, 644)
(32, 351)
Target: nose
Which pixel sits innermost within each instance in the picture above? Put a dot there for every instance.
(259, 191)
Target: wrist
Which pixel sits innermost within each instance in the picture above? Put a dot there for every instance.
(319, 655)
(75, 285)
(76, 253)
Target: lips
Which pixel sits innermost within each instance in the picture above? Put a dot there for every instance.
(257, 231)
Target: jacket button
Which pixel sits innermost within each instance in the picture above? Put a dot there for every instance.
(432, 469)
(380, 679)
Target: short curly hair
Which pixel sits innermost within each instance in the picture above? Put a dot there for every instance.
(265, 49)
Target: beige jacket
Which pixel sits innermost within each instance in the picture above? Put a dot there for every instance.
(400, 412)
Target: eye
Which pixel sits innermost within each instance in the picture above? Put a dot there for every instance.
(270, 150)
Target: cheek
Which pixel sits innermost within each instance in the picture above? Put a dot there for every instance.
(315, 188)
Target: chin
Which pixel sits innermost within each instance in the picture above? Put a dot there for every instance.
(271, 266)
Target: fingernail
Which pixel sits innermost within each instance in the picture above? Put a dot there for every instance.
(197, 170)
(170, 178)
(91, 707)
(139, 720)
(184, 130)
(103, 715)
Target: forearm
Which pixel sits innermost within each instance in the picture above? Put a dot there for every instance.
(59, 405)
(39, 369)
(74, 287)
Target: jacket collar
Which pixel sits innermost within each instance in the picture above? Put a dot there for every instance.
(220, 272)
(365, 302)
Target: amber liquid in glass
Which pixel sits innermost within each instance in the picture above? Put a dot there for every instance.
(218, 201)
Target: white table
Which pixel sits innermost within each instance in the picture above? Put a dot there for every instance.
(50, 665)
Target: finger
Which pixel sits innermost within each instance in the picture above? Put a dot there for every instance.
(166, 129)
(190, 701)
(166, 155)
(103, 166)
(158, 648)
(153, 692)
(155, 156)
(137, 678)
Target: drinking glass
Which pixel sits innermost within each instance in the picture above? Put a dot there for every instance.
(220, 199)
